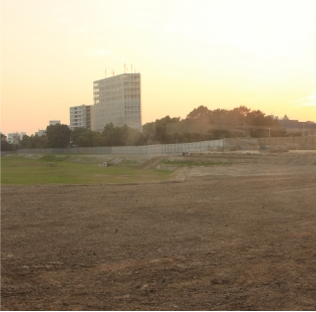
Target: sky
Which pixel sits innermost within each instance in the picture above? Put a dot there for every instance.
(216, 53)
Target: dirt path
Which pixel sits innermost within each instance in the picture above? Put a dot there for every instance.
(217, 241)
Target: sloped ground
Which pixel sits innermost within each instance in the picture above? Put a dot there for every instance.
(240, 164)
(218, 240)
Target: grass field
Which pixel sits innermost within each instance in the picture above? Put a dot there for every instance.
(59, 169)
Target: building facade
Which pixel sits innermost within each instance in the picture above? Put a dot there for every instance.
(14, 138)
(81, 116)
(117, 100)
(54, 122)
(40, 132)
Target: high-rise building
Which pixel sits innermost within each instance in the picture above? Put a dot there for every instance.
(81, 116)
(117, 100)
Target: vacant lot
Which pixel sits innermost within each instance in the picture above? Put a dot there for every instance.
(235, 237)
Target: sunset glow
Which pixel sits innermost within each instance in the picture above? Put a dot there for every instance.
(220, 54)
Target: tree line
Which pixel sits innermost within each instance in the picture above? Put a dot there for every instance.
(61, 136)
(203, 124)
(200, 124)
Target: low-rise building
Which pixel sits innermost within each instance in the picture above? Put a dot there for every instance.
(54, 122)
(14, 138)
(293, 125)
(40, 132)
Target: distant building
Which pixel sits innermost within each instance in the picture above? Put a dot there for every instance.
(117, 100)
(305, 128)
(54, 122)
(40, 132)
(81, 116)
(14, 138)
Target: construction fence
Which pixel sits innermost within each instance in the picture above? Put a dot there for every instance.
(145, 149)
(296, 143)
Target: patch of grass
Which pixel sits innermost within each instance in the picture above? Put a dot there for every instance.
(193, 163)
(25, 171)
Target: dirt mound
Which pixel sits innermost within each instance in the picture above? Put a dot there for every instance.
(151, 163)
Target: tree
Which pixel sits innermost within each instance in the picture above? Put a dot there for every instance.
(201, 111)
(161, 134)
(204, 124)
(116, 136)
(121, 136)
(34, 141)
(5, 146)
(107, 129)
(58, 136)
(149, 131)
(256, 118)
(76, 134)
(84, 137)
(219, 117)
(134, 137)
(238, 115)
(26, 142)
(88, 138)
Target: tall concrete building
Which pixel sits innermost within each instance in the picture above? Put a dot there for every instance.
(81, 116)
(117, 99)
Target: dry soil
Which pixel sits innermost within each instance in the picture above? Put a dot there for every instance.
(235, 237)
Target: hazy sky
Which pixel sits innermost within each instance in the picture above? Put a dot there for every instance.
(221, 54)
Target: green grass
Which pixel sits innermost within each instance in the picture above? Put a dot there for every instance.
(55, 169)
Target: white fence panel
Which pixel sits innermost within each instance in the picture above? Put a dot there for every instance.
(145, 149)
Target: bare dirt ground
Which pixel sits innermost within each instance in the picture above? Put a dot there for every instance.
(235, 237)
